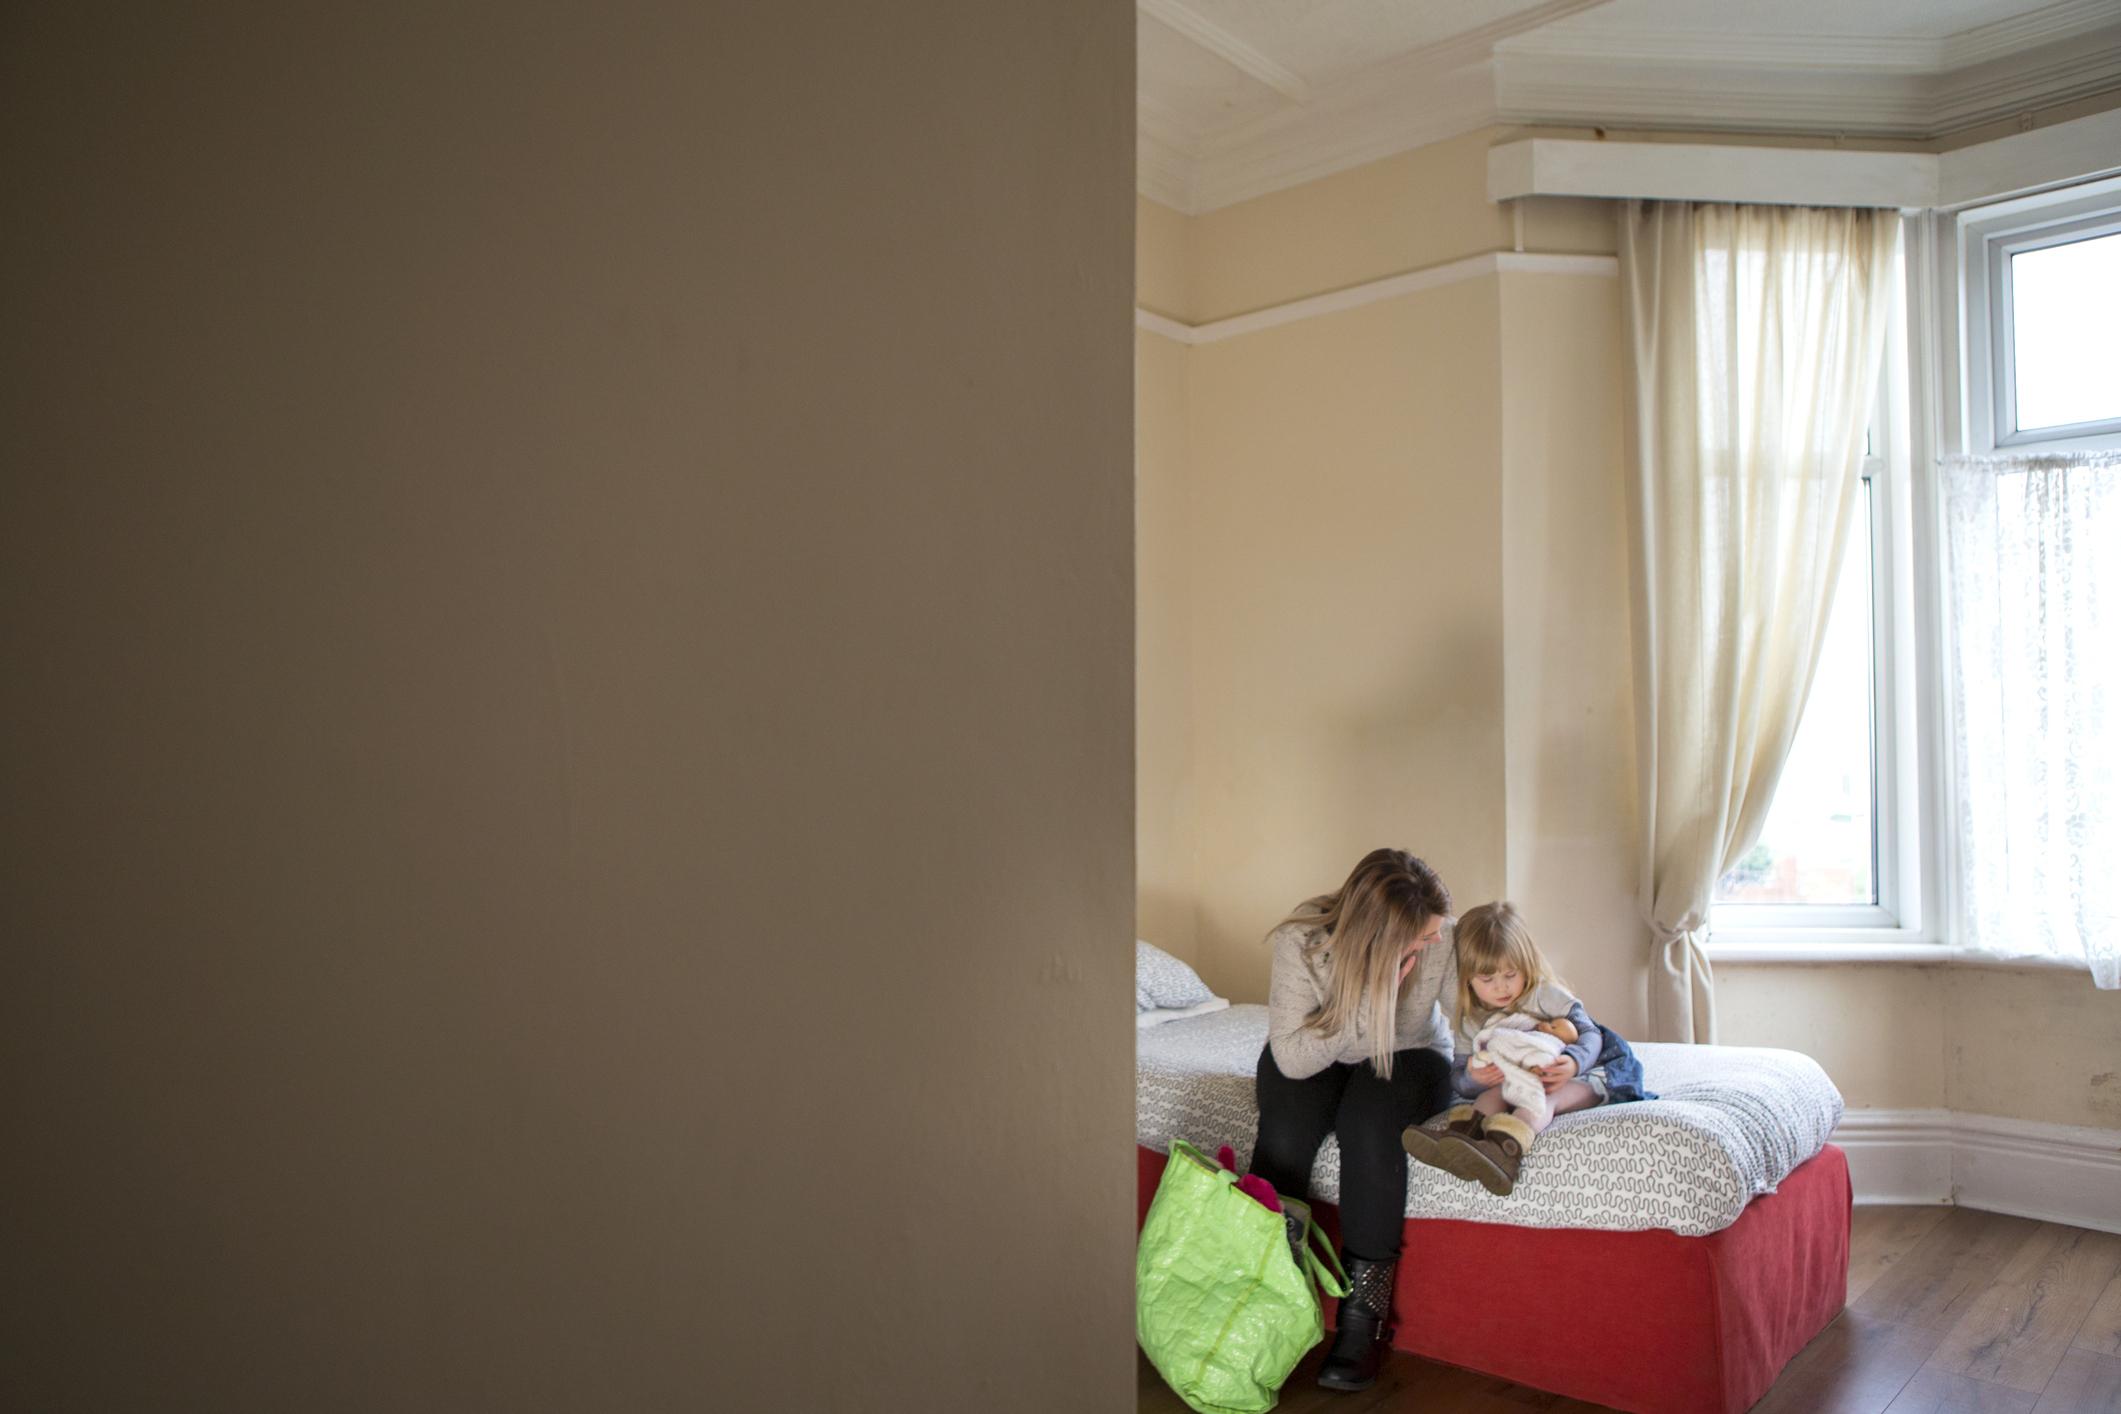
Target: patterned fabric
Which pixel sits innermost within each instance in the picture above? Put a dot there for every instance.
(1730, 1122)
(2036, 658)
(1161, 980)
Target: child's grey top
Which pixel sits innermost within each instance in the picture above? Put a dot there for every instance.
(1547, 1002)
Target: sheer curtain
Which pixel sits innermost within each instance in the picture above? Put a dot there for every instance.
(1757, 335)
(2035, 573)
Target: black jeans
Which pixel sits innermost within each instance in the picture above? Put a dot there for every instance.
(1368, 1113)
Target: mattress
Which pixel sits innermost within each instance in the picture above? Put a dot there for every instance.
(1730, 1122)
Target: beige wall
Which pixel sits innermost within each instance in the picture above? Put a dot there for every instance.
(2032, 1044)
(1163, 261)
(1421, 208)
(1166, 893)
(1878, 1030)
(2024, 1043)
(1347, 673)
(1410, 625)
(566, 584)
(1570, 789)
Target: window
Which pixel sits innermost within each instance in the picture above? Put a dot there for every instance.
(2043, 297)
(2062, 364)
(1830, 866)
(2031, 656)
(1819, 845)
(2009, 348)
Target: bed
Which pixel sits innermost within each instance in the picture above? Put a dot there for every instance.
(1715, 1218)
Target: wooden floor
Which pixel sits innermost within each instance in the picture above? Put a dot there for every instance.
(1950, 1311)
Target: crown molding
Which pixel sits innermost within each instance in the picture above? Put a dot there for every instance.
(1227, 47)
(1917, 89)
(1166, 157)
(2044, 26)
(1426, 95)
(2000, 88)
(1778, 94)
(1500, 262)
(1818, 53)
(1339, 132)
(1668, 49)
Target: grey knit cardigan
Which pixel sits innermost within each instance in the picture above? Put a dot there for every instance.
(1299, 989)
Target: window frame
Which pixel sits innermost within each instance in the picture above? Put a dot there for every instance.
(1988, 236)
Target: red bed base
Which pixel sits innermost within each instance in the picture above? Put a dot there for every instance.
(1649, 1322)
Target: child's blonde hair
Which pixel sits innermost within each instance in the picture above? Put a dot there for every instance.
(1493, 938)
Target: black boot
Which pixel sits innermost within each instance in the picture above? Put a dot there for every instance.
(1362, 1326)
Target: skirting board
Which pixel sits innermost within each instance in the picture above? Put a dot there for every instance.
(2053, 1172)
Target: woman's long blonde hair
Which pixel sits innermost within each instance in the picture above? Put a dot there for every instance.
(1385, 904)
(1491, 939)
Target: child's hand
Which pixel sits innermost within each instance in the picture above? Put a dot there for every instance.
(1485, 1076)
(1560, 1073)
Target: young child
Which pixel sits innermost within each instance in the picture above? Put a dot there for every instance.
(1525, 1051)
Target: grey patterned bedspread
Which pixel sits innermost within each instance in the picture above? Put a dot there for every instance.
(1730, 1122)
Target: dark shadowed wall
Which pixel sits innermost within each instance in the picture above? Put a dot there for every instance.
(565, 729)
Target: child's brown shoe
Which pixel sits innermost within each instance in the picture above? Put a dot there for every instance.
(1490, 1158)
(1424, 1142)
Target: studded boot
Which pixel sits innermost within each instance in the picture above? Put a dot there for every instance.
(1424, 1142)
(1492, 1157)
(1362, 1328)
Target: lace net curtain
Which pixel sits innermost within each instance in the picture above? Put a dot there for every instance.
(2035, 547)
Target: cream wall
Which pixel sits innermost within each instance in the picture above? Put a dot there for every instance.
(1570, 790)
(1444, 468)
(566, 595)
(2025, 1043)
(1347, 678)
(1166, 893)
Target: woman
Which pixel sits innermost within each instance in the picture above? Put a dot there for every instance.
(1357, 1045)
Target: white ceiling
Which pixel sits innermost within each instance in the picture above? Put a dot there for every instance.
(1242, 97)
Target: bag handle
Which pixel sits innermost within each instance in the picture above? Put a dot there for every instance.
(1180, 1146)
(1336, 1281)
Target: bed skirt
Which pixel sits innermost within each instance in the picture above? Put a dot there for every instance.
(1670, 1324)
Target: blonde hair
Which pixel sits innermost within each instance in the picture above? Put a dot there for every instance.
(1385, 904)
(1493, 938)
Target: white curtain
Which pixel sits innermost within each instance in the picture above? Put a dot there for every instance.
(1757, 335)
(2035, 574)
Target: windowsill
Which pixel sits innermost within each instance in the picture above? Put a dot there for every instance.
(1836, 945)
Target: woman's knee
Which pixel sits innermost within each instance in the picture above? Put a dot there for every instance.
(1371, 1147)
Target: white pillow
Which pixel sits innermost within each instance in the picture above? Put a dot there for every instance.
(1157, 1016)
(1162, 982)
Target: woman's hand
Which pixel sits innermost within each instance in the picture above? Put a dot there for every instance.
(1485, 1076)
(1560, 1073)
(1407, 960)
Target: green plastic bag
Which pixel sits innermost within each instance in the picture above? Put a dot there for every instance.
(1221, 1305)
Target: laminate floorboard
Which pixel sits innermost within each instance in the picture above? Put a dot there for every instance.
(1857, 1365)
(2084, 1383)
(1935, 1392)
(2101, 1331)
(1938, 1281)
(1878, 1242)
(2019, 1329)
(1951, 1311)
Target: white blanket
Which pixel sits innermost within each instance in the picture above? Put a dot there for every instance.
(1514, 1048)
